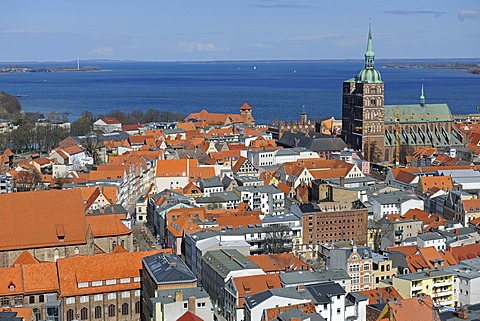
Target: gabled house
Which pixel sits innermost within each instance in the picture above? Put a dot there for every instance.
(244, 167)
(107, 125)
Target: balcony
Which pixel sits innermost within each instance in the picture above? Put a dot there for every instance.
(444, 303)
(444, 283)
(442, 293)
(417, 287)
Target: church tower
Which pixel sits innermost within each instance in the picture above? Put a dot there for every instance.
(363, 110)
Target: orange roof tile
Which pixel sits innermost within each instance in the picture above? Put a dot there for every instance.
(442, 182)
(110, 120)
(464, 252)
(72, 150)
(181, 225)
(189, 316)
(408, 250)
(236, 221)
(43, 211)
(11, 277)
(279, 262)
(272, 313)
(186, 126)
(101, 267)
(381, 295)
(25, 258)
(132, 127)
(201, 172)
(40, 278)
(253, 284)
(403, 310)
(107, 225)
(175, 167)
(23, 313)
(245, 107)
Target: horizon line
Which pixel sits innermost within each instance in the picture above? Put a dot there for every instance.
(238, 60)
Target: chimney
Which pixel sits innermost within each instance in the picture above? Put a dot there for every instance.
(342, 181)
(191, 304)
(461, 313)
(301, 288)
(178, 296)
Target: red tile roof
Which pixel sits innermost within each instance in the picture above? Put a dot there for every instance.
(25, 258)
(381, 295)
(189, 316)
(101, 267)
(31, 219)
(279, 262)
(110, 120)
(107, 225)
(253, 284)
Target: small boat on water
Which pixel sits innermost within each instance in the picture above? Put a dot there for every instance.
(21, 96)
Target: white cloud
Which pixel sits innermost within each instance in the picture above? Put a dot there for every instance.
(199, 46)
(103, 51)
(260, 45)
(468, 14)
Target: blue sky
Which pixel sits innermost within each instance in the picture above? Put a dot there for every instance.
(179, 30)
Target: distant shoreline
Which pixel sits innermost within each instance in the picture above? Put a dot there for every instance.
(473, 69)
(23, 69)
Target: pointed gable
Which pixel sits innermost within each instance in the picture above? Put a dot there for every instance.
(25, 258)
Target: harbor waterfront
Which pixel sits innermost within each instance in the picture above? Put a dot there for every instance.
(274, 89)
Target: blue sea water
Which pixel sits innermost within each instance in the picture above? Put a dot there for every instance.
(275, 90)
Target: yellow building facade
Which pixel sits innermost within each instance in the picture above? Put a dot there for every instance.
(437, 284)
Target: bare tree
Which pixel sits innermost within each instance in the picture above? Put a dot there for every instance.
(277, 239)
(27, 180)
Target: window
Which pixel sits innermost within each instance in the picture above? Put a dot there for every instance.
(356, 280)
(98, 297)
(112, 296)
(125, 310)
(325, 306)
(84, 299)
(82, 284)
(96, 283)
(111, 310)
(83, 314)
(70, 300)
(125, 280)
(37, 313)
(137, 292)
(18, 301)
(69, 315)
(98, 312)
(136, 279)
(31, 299)
(110, 282)
(5, 302)
(200, 304)
(137, 307)
(354, 268)
(366, 278)
(339, 311)
(125, 294)
(185, 305)
(41, 298)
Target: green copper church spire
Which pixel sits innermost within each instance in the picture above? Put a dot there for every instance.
(369, 73)
(422, 98)
(369, 54)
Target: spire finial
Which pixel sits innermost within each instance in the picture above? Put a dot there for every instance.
(422, 98)
(369, 54)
